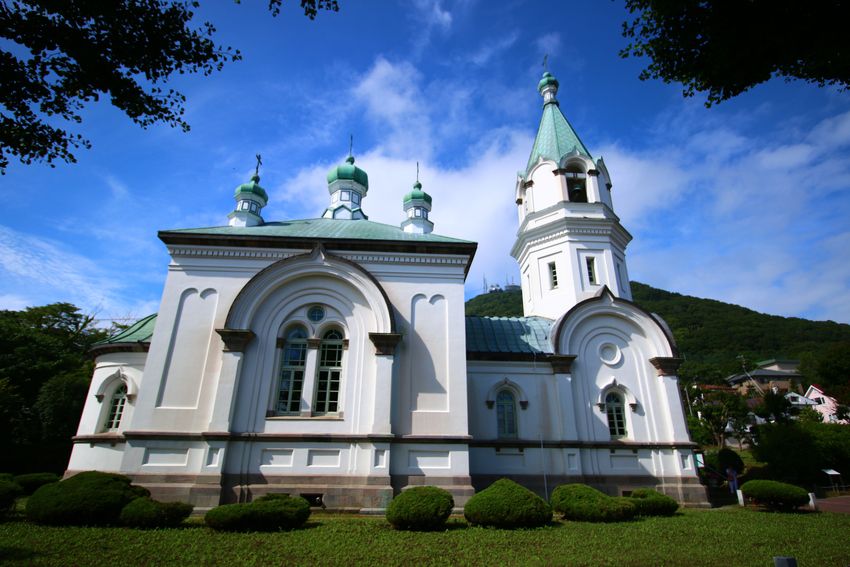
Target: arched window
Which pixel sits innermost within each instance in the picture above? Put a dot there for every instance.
(292, 372)
(506, 414)
(328, 373)
(615, 409)
(116, 408)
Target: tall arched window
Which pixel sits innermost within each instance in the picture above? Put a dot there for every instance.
(615, 408)
(506, 414)
(116, 408)
(328, 373)
(292, 372)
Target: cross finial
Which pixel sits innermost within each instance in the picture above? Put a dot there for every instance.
(417, 172)
(546, 62)
(259, 163)
(350, 143)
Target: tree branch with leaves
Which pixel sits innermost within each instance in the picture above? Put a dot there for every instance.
(58, 56)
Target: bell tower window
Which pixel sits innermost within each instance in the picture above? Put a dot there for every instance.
(553, 275)
(576, 184)
(591, 271)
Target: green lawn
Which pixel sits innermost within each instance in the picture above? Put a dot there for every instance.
(728, 536)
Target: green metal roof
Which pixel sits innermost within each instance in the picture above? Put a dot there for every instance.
(252, 187)
(555, 136)
(508, 334)
(139, 332)
(342, 229)
(350, 171)
(417, 193)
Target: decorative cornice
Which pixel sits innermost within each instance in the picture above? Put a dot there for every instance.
(385, 343)
(217, 252)
(666, 365)
(406, 259)
(235, 340)
(561, 363)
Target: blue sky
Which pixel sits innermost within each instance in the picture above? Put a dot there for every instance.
(747, 202)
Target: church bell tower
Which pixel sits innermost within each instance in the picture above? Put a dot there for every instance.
(570, 244)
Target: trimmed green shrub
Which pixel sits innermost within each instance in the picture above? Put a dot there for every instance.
(270, 513)
(649, 502)
(420, 508)
(586, 504)
(775, 495)
(33, 481)
(89, 498)
(505, 504)
(9, 492)
(148, 513)
(9, 477)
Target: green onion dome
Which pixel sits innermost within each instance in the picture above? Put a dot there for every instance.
(350, 171)
(548, 79)
(252, 187)
(417, 193)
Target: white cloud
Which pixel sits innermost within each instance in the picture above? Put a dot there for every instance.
(391, 95)
(753, 221)
(37, 270)
(491, 48)
(433, 15)
(548, 44)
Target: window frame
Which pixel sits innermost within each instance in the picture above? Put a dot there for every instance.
(327, 389)
(294, 394)
(590, 269)
(615, 412)
(116, 408)
(507, 426)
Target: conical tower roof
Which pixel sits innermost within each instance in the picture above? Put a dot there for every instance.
(555, 136)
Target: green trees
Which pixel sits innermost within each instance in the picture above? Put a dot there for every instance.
(44, 376)
(726, 48)
(57, 56)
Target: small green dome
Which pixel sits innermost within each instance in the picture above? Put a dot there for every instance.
(350, 171)
(417, 193)
(548, 79)
(252, 187)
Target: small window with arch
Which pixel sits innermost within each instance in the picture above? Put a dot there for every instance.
(116, 408)
(616, 413)
(506, 415)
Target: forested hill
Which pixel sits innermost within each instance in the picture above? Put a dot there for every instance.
(710, 334)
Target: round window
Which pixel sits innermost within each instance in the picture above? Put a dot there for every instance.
(316, 313)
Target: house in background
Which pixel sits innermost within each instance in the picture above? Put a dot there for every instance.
(825, 405)
(330, 357)
(773, 375)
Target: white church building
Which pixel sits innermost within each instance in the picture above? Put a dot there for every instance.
(331, 357)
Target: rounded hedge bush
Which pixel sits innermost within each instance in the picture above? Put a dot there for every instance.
(505, 504)
(586, 504)
(33, 481)
(87, 499)
(9, 477)
(273, 512)
(9, 492)
(775, 495)
(148, 513)
(649, 502)
(420, 508)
